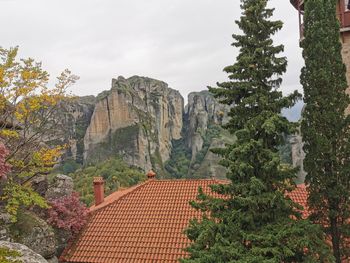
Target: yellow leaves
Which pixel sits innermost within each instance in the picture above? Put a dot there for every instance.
(2, 102)
(1, 74)
(220, 114)
(28, 107)
(17, 164)
(6, 133)
(27, 75)
(47, 157)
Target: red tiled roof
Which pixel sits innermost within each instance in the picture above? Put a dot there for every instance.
(299, 195)
(143, 224)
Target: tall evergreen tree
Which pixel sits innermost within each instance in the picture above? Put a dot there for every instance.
(325, 128)
(251, 219)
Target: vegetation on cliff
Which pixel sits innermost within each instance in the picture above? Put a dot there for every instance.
(255, 222)
(325, 128)
(116, 173)
(180, 159)
(181, 164)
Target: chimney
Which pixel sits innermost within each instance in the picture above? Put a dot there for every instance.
(99, 190)
(151, 175)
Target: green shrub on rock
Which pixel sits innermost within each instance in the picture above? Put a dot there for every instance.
(116, 173)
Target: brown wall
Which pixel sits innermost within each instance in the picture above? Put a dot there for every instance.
(346, 58)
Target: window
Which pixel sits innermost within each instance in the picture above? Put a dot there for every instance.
(347, 4)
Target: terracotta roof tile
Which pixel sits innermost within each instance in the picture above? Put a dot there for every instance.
(300, 195)
(144, 223)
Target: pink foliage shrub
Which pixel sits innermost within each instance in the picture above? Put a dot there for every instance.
(4, 167)
(67, 213)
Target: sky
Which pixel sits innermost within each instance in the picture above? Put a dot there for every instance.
(185, 43)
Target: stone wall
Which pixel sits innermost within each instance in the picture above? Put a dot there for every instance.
(346, 58)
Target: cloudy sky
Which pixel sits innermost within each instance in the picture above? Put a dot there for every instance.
(185, 43)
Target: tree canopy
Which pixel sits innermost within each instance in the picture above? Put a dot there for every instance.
(254, 220)
(325, 128)
(27, 125)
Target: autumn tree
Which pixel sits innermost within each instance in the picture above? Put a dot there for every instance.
(27, 125)
(325, 128)
(67, 213)
(251, 218)
(4, 167)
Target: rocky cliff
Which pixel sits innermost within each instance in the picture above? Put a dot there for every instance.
(145, 122)
(202, 111)
(202, 131)
(71, 121)
(204, 116)
(137, 119)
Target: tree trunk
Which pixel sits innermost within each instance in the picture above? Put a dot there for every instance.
(335, 239)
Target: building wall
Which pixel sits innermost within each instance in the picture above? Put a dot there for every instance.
(346, 59)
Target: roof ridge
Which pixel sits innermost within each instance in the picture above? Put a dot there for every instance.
(127, 192)
(191, 179)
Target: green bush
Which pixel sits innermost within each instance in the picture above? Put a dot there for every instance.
(69, 166)
(116, 173)
(178, 164)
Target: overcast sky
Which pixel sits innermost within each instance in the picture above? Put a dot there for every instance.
(185, 43)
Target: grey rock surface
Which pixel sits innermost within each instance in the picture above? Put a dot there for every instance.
(61, 185)
(5, 223)
(137, 119)
(298, 156)
(72, 119)
(201, 111)
(40, 184)
(52, 260)
(62, 238)
(35, 233)
(27, 255)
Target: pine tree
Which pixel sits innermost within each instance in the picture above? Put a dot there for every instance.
(325, 128)
(250, 219)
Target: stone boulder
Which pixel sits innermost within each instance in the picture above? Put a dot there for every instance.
(40, 185)
(5, 223)
(27, 255)
(52, 260)
(62, 238)
(35, 233)
(62, 185)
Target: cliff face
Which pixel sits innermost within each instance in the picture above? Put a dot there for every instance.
(71, 121)
(298, 156)
(137, 119)
(202, 111)
(144, 121)
(191, 156)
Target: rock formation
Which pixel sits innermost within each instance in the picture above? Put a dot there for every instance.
(31, 229)
(61, 185)
(26, 254)
(137, 119)
(75, 116)
(202, 131)
(202, 111)
(36, 234)
(298, 156)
